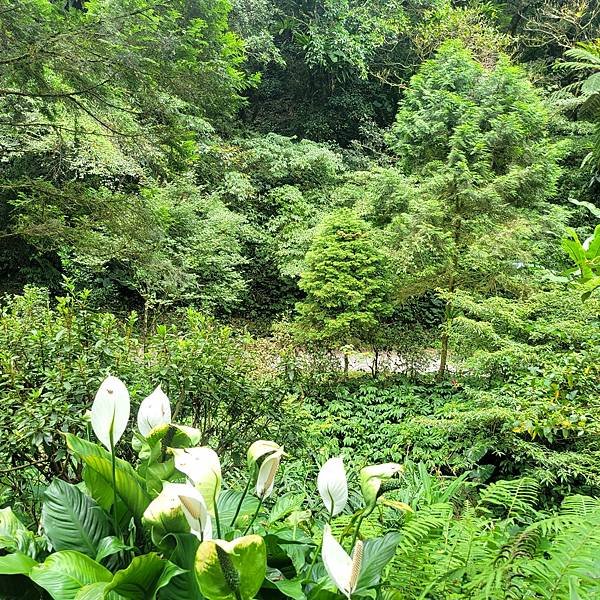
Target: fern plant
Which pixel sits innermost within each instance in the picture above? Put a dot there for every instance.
(499, 548)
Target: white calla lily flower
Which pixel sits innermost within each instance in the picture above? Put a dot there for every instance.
(203, 468)
(266, 473)
(371, 479)
(259, 449)
(110, 412)
(343, 569)
(194, 509)
(333, 485)
(178, 508)
(155, 410)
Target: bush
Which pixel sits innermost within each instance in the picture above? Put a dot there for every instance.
(54, 355)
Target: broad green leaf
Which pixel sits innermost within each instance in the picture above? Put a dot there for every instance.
(292, 588)
(97, 591)
(110, 545)
(594, 210)
(14, 536)
(284, 506)
(227, 504)
(64, 573)
(73, 520)
(142, 579)
(185, 585)
(377, 553)
(220, 565)
(130, 486)
(16, 563)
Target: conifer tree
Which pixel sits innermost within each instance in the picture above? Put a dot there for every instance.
(346, 282)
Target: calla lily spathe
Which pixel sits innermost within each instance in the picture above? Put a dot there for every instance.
(155, 410)
(203, 468)
(344, 570)
(333, 485)
(259, 449)
(110, 412)
(178, 508)
(266, 474)
(371, 479)
(194, 509)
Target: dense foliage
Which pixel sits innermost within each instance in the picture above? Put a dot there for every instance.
(367, 230)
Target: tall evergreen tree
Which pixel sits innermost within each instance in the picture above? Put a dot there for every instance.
(346, 282)
(472, 141)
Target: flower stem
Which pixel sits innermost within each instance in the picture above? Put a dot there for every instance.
(358, 524)
(114, 483)
(217, 513)
(260, 501)
(239, 506)
(320, 546)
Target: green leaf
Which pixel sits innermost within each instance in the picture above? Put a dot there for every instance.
(94, 591)
(142, 579)
(14, 536)
(130, 486)
(108, 546)
(72, 520)
(64, 573)
(284, 506)
(292, 588)
(594, 210)
(16, 564)
(377, 553)
(185, 585)
(231, 570)
(227, 505)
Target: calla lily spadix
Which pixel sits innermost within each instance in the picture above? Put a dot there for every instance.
(110, 412)
(155, 410)
(343, 570)
(203, 468)
(266, 473)
(333, 486)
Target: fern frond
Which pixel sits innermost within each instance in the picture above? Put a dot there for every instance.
(581, 506)
(570, 568)
(517, 497)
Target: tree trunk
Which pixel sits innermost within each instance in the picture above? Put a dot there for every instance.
(443, 357)
(346, 365)
(375, 365)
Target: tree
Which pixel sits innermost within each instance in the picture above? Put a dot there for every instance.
(472, 143)
(585, 58)
(346, 282)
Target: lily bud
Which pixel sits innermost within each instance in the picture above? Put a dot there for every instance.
(372, 480)
(266, 474)
(110, 412)
(155, 411)
(333, 486)
(203, 468)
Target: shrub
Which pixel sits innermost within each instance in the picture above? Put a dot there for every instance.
(53, 357)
